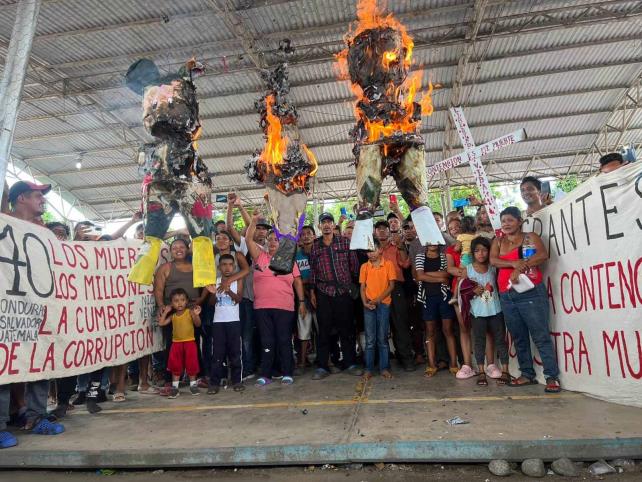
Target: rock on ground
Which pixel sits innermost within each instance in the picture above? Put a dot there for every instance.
(534, 468)
(627, 465)
(565, 467)
(601, 468)
(500, 468)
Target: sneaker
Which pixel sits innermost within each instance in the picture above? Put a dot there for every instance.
(59, 412)
(249, 376)
(202, 383)
(45, 427)
(465, 372)
(102, 396)
(213, 389)
(320, 374)
(193, 389)
(92, 406)
(287, 380)
(7, 440)
(263, 381)
(355, 370)
(173, 393)
(492, 371)
(81, 398)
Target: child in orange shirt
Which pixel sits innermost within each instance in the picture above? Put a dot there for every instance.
(377, 278)
(183, 354)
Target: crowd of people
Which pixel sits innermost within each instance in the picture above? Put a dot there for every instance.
(438, 307)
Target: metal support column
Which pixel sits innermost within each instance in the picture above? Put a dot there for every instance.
(15, 69)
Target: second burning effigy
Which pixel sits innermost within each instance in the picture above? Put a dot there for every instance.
(377, 61)
(284, 165)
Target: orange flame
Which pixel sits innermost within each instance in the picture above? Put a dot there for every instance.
(370, 16)
(276, 145)
(275, 149)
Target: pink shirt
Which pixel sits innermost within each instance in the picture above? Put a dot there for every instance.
(270, 290)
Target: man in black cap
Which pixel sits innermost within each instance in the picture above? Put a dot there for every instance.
(333, 268)
(27, 200)
(611, 162)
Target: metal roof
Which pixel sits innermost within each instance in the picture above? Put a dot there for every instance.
(567, 71)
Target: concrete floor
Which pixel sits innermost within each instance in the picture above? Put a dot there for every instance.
(337, 420)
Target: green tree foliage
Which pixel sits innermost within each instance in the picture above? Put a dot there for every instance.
(49, 217)
(568, 183)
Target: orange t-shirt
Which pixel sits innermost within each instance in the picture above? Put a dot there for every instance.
(377, 278)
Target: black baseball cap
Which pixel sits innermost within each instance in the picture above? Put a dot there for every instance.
(263, 222)
(325, 216)
(382, 223)
(22, 187)
(390, 216)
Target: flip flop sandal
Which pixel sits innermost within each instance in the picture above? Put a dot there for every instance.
(430, 372)
(119, 397)
(505, 379)
(514, 382)
(552, 386)
(482, 381)
(453, 370)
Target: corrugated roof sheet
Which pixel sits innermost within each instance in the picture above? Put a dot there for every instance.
(555, 75)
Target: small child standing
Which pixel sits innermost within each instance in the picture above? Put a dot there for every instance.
(465, 238)
(226, 329)
(486, 312)
(183, 354)
(377, 278)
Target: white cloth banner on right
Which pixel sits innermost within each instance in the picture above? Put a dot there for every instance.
(594, 284)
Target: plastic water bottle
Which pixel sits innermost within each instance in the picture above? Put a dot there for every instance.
(528, 251)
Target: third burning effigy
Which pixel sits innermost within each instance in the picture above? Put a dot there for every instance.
(377, 61)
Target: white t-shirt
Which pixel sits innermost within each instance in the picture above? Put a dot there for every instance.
(226, 309)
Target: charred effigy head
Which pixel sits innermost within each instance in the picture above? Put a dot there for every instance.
(376, 60)
(170, 108)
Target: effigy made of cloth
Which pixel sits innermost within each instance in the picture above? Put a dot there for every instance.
(376, 61)
(175, 178)
(284, 165)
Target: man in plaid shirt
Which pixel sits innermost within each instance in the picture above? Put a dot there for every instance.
(333, 268)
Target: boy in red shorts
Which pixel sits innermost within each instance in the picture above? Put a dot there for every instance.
(183, 355)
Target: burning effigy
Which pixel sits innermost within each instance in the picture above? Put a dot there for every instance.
(377, 61)
(284, 164)
(176, 179)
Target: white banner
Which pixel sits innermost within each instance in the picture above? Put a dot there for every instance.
(594, 282)
(484, 149)
(66, 307)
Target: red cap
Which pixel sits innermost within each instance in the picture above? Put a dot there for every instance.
(22, 187)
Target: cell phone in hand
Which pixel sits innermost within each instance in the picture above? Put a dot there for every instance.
(546, 188)
(393, 199)
(221, 198)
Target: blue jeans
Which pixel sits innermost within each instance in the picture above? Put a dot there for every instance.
(527, 314)
(377, 326)
(248, 326)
